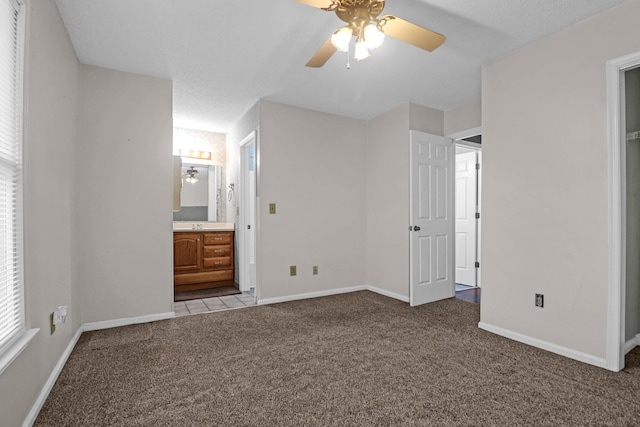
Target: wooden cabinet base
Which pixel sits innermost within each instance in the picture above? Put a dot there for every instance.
(202, 260)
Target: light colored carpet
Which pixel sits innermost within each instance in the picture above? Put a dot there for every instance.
(355, 359)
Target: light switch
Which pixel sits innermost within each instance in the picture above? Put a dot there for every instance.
(272, 208)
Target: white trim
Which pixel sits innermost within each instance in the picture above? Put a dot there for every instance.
(631, 344)
(554, 348)
(616, 286)
(466, 144)
(466, 134)
(46, 389)
(311, 295)
(106, 324)
(389, 294)
(14, 349)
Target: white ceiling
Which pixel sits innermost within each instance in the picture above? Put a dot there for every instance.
(225, 55)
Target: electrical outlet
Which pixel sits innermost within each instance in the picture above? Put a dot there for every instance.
(315, 270)
(272, 208)
(52, 325)
(540, 300)
(292, 270)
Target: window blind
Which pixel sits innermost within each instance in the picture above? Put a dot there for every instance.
(12, 319)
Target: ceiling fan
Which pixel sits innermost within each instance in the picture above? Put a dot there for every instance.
(363, 23)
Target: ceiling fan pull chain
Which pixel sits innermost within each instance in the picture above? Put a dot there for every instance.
(348, 63)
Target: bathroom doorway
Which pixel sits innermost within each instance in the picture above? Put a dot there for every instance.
(632, 208)
(623, 108)
(248, 222)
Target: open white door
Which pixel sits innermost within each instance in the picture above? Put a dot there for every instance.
(466, 230)
(432, 212)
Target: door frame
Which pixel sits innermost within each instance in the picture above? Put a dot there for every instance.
(243, 220)
(616, 142)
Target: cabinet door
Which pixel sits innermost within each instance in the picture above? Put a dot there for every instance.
(187, 251)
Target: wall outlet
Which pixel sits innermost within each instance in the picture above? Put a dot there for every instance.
(315, 270)
(292, 270)
(272, 208)
(539, 300)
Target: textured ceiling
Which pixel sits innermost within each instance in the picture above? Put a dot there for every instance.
(225, 55)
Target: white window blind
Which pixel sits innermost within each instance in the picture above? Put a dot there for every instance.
(12, 319)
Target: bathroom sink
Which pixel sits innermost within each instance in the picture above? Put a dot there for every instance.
(202, 226)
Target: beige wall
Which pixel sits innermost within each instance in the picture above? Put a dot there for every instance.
(545, 183)
(387, 219)
(312, 166)
(465, 117)
(387, 156)
(50, 79)
(123, 225)
(426, 119)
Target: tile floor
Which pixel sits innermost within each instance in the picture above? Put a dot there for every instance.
(195, 306)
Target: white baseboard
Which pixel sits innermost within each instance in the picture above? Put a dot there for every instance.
(106, 324)
(311, 295)
(554, 348)
(44, 393)
(631, 344)
(388, 293)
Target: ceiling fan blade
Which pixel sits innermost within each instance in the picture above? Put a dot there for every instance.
(322, 55)
(320, 4)
(411, 33)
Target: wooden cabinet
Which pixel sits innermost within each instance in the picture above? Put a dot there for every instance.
(202, 260)
(187, 252)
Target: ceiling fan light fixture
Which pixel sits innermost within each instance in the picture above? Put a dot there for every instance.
(361, 50)
(341, 39)
(192, 175)
(373, 36)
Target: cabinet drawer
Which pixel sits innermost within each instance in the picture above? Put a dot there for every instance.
(218, 238)
(217, 251)
(222, 262)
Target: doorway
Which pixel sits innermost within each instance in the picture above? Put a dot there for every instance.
(623, 108)
(247, 226)
(467, 194)
(632, 208)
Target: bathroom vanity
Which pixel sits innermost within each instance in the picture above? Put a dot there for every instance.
(202, 255)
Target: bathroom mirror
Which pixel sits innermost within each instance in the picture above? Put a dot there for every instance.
(201, 193)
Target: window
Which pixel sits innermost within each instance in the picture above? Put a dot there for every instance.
(12, 317)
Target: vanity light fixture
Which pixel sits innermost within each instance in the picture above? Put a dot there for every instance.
(196, 154)
(192, 175)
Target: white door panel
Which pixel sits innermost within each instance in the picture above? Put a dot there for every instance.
(432, 218)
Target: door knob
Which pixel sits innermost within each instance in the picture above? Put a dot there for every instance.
(416, 228)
